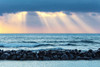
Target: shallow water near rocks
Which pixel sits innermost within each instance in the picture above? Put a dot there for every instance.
(81, 63)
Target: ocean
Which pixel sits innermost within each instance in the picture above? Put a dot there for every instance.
(49, 41)
(81, 63)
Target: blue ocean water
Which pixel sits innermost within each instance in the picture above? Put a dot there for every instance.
(49, 41)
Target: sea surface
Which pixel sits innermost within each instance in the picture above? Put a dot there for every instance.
(81, 63)
(49, 41)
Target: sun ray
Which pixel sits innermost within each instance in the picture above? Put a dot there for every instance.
(69, 24)
(85, 27)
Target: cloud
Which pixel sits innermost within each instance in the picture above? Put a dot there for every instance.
(50, 5)
(50, 22)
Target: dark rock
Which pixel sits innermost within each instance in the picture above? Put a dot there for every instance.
(46, 58)
(5, 56)
(14, 57)
(90, 51)
(64, 57)
(18, 57)
(22, 58)
(76, 50)
(50, 55)
(71, 56)
(99, 49)
(79, 51)
(83, 58)
(1, 51)
(54, 57)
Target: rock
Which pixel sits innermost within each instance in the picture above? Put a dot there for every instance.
(22, 58)
(37, 56)
(71, 56)
(78, 58)
(64, 57)
(82, 54)
(49, 55)
(5, 56)
(79, 51)
(17, 52)
(14, 57)
(1, 51)
(93, 55)
(24, 55)
(99, 49)
(76, 50)
(46, 58)
(90, 50)
(83, 58)
(54, 57)
(18, 57)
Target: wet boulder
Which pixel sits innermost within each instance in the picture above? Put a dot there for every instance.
(5, 56)
(71, 56)
(46, 58)
(64, 57)
(90, 50)
(14, 57)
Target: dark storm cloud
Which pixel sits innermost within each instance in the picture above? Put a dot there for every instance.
(49, 5)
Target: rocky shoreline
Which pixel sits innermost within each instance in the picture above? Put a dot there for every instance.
(50, 54)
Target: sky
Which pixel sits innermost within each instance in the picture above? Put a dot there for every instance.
(49, 16)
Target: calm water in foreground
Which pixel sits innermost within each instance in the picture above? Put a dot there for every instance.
(50, 63)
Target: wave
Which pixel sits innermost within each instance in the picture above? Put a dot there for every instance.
(18, 42)
(84, 41)
(28, 42)
(18, 45)
(33, 45)
(40, 45)
(55, 41)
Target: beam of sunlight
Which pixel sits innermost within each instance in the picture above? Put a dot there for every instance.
(85, 27)
(44, 20)
(70, 26)
(51, 22)
(17, 18)
(13, 23)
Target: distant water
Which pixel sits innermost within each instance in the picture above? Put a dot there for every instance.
(49, 41)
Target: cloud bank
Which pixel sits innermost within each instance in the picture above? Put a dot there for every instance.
(50, 5)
